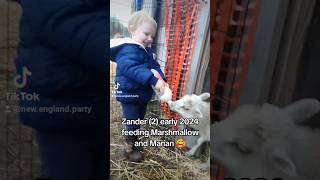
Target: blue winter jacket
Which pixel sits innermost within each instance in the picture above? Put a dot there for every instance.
(64, 44)
(134, 79)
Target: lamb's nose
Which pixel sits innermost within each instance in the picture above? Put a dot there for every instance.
(171, 104)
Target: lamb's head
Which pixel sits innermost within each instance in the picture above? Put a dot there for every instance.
(263, 141)
(191, 106)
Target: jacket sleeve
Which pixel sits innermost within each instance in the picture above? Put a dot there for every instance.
(130, 64)
(156, 65)
(77, 29)
(157, 68)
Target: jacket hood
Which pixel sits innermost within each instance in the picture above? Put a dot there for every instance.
(116, 44)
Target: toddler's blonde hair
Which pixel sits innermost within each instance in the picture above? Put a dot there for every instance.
(139, 17)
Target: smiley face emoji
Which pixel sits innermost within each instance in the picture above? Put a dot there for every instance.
(181, 143)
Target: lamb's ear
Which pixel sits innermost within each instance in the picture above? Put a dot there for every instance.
(205, 96)
(303, 109)
(282, 161)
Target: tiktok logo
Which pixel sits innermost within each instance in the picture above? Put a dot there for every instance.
(116, 86)
(21, 80)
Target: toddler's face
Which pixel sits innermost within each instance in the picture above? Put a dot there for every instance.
(144, 34)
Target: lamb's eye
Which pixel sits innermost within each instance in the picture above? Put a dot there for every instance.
(241, 146)
(185, 108)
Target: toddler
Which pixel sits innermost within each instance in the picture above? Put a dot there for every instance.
(134, 78)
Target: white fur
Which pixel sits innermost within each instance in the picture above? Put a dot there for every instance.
(268, 141)
(194, 106)
(120, 41)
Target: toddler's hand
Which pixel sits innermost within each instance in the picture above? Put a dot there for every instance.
(160, 85)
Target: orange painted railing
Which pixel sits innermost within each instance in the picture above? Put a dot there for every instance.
(181, 27)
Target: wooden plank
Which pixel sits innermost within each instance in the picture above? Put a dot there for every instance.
(203, 26)
(294, 34)
(267, 42)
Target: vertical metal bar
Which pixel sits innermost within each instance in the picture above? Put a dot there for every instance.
(238, 53)
(7, 89)
(138, 5)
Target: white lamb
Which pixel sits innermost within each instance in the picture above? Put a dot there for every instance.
(194, 106)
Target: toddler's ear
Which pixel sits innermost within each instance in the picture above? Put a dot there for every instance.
(131, 28)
